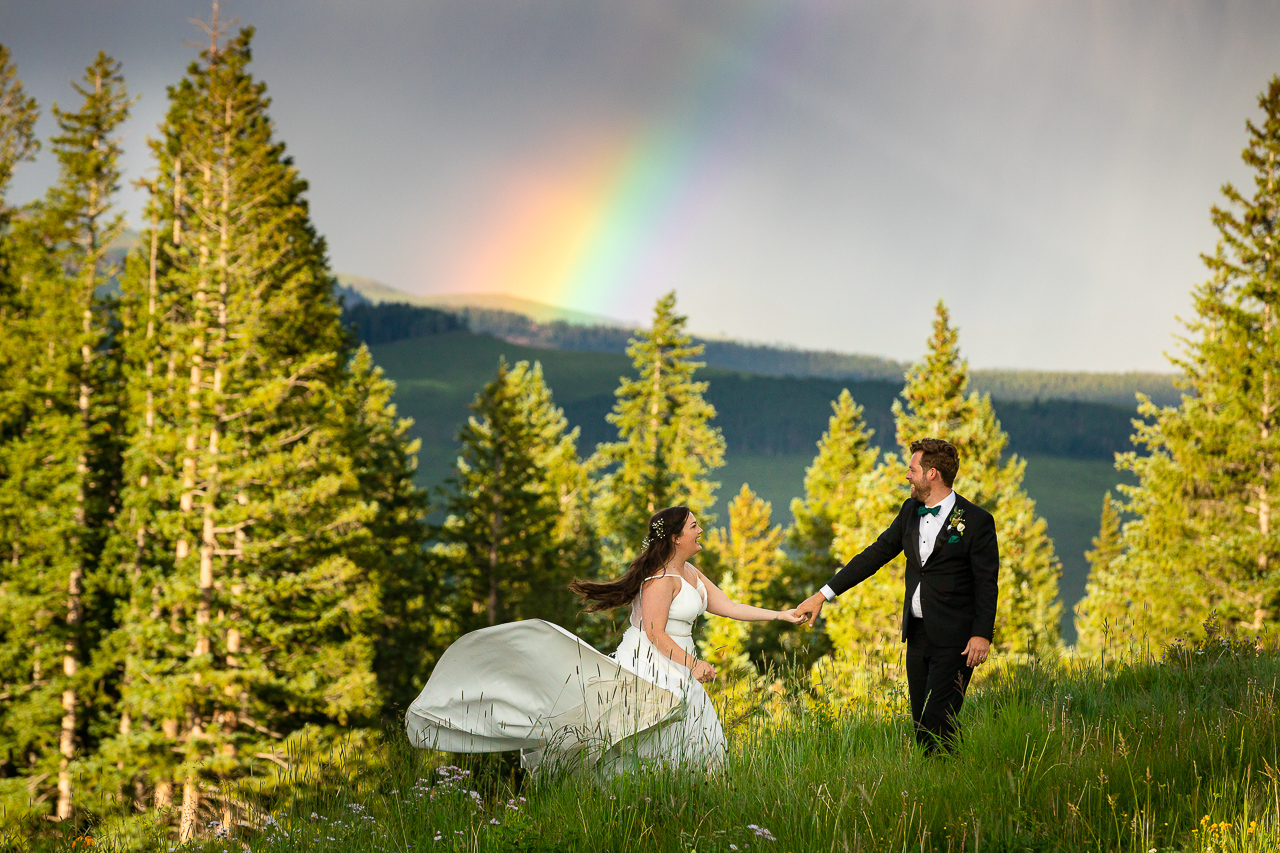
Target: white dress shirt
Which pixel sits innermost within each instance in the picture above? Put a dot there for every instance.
(930, 527)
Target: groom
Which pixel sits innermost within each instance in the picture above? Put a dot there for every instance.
(950, 607)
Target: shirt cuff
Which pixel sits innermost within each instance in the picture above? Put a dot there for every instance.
(827, 592)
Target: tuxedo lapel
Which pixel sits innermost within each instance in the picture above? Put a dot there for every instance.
(913, 530)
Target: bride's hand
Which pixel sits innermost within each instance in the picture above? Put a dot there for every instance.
(704, 671)
(790, 616)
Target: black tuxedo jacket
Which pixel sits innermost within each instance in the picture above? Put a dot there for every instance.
(958, 583)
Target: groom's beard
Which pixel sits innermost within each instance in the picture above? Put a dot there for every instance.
(919, 494)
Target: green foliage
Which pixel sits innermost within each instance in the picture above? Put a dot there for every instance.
(1104, 607)
(59, 455)
(266, 555)
(1202, 537)
(517, 506)
(666, 447)
(749, 563)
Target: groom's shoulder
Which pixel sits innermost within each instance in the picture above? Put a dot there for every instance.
(974, 511)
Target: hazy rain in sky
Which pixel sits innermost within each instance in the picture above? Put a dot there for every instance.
(814, 173)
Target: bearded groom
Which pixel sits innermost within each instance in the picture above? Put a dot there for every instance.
(949, 610)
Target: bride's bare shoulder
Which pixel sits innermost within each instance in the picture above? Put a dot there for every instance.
(666, 580)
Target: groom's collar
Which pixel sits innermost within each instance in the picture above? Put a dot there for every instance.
(946, 503)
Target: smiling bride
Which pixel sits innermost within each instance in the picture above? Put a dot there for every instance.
(535, 687)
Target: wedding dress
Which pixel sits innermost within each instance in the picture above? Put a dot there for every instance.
(535, 687)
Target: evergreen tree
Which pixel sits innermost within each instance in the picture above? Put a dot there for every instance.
(18, 113)
(60, 463)
(1202, 538)
(266, 523)
(935, 403)
(1105, 609)
(18, 143)
(845, 454)
(514, 539)
(666, 447)
(749, 560)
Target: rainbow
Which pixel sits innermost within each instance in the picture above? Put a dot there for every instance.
(596, 226)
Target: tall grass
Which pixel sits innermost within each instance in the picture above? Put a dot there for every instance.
(1178, 754)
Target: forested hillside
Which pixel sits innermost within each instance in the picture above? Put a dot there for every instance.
(555, 329)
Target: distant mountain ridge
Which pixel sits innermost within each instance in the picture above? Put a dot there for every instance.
(534, 324)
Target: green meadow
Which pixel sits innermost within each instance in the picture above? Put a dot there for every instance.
(1173, 754)
(771, 425)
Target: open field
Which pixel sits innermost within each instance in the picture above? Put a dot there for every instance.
(1059, 756)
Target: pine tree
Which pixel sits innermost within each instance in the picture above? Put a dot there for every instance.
(18, 143)
(666, 447)
(61, 464)
(936, 403)
(1202, 539)
(749, 560)
(512, 540)
(845, 454)
(1105, 609)
(257, 582)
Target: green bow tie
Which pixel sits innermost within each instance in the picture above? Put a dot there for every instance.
(928, 510)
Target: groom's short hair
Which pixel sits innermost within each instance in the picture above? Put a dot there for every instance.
(936, 453)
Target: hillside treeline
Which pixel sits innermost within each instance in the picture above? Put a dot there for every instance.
(1012, 385)
(775, 415)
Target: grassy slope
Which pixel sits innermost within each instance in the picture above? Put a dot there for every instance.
(437, 377)
(1057, 758)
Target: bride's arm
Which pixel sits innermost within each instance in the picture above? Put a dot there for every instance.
(655, 603)
(721, 605)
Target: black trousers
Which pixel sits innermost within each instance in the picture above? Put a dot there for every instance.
(937, 678)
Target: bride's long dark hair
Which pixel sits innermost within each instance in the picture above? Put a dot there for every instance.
(659, 545)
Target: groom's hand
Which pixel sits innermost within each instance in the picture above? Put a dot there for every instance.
(976, 652)
(810, 608)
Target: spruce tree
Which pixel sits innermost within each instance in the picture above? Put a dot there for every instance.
(266, 521)
(1105, 608)
(845, 454)
(18, 143)
(749, 562)
(936, 403)
(1202, 536)
(61, 463)
(513, 539)
(667, 446)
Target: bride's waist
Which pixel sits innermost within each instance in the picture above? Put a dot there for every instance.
(634, 638)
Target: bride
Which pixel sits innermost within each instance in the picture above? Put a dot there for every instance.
(535, 687)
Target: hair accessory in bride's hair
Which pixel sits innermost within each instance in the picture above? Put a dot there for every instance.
(657, 534)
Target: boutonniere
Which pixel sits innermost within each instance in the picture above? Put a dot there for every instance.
(957, 524)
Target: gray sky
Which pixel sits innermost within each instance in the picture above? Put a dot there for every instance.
(814, 173)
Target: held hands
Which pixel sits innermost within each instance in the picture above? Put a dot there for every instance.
(793, 616)
(810, 608)
(976, 652)
(704, 672)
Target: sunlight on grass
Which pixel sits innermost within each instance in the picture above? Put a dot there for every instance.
(1178, 754)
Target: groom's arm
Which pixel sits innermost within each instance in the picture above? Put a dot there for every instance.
(861, 567)
(984, 559)
(887, 546)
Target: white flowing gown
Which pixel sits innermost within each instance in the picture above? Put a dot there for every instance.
(535, 687)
